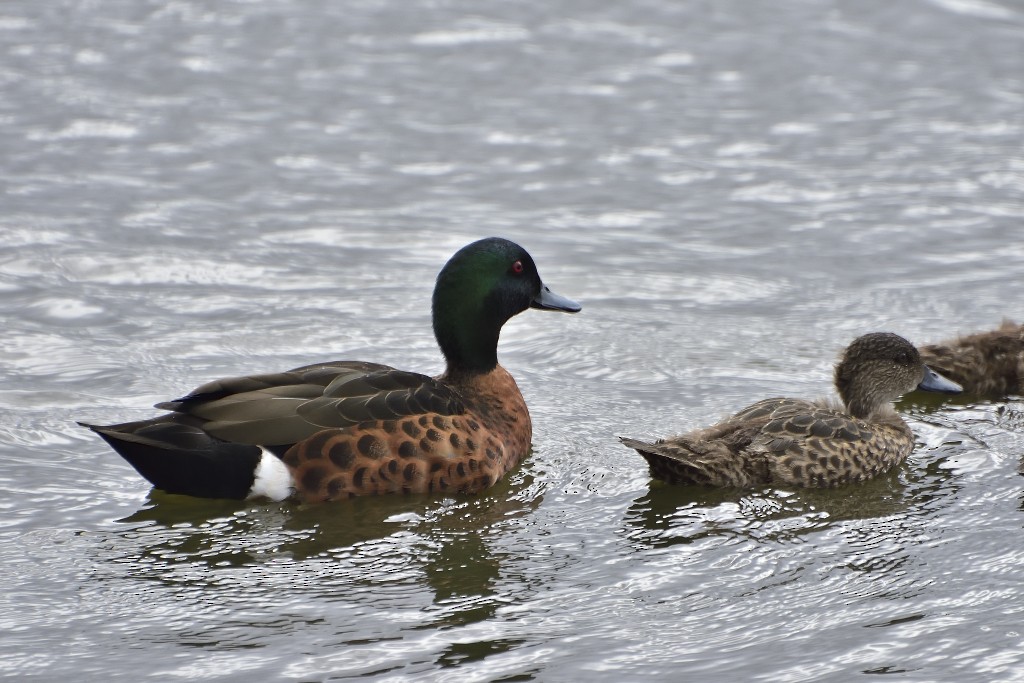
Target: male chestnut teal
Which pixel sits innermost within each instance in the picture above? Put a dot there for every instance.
(987, 364)
(792, 442)
(349, 428)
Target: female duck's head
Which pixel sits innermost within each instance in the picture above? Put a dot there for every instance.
(878, 368)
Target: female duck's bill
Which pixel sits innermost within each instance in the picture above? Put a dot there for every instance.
(935, 382)
(347, 428)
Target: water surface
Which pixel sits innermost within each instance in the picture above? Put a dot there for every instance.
(732, 191)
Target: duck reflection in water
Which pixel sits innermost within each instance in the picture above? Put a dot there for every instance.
(372, 544)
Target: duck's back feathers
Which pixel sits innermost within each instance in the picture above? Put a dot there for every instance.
(308, 380)
(381, 395)
(264, 409)
(987, 364)
(781, 441)
(286, 407)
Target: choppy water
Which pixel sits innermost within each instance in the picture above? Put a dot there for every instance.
(733, 191)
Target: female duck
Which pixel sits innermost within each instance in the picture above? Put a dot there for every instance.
(987, 364)
(801, 443)
(348, 428)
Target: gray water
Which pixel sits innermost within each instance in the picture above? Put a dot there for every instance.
(733, 190)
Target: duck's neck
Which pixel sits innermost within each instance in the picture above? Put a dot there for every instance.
(470, 352)
(866, 405)
(467, 331)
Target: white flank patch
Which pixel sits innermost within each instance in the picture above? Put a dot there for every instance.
(273, 480)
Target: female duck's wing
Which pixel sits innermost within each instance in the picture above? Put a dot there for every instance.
(777, 440)
(816, 428)
(719, 455)
(819, 447)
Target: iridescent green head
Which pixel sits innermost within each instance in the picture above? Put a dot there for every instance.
(483, 285)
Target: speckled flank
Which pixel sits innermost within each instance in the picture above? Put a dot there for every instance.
(988, 364)
(422, 453)
(801, 443)
(781, 441)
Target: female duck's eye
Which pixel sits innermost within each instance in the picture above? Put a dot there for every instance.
(517, 267)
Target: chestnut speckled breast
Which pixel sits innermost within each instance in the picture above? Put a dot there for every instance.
(482, 433)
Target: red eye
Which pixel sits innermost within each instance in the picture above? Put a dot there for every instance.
(517, 267)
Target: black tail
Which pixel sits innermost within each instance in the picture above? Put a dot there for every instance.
(179, 457)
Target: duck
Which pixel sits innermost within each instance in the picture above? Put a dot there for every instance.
(340, 429)
(812, 444)
(987, 364)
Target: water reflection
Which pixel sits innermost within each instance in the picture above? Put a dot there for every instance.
(1010, 416)
(362, 546)
(667, 514)
(739, 191)
(987, 427)
(857, 544)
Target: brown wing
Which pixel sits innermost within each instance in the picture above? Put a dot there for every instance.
(776, 440)
(821, 447)
(796, 422)
(287, 407)
(383, 395)
(308, 381)
(717, 455)
(772, 409)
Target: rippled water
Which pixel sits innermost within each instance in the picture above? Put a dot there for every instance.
(732, 190)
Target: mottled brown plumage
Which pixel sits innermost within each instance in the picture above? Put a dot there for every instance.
(802, 443)
(349, 428)
(466, 449)
(987, 364)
